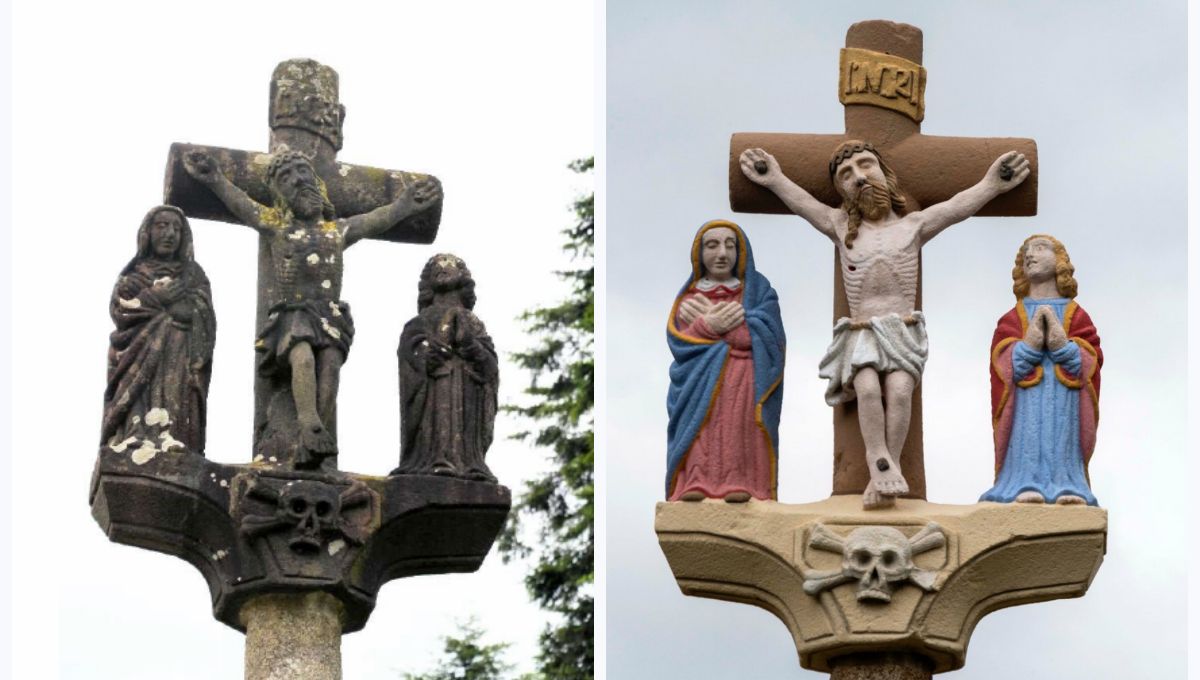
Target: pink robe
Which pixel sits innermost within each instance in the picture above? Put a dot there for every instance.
(731, 452)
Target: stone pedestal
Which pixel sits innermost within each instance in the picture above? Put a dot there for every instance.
(262, 529)
(990, 556)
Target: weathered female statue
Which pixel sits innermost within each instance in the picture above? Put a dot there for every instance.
(726, 335)
(160, 355)
(448, 378)
(1045, 366)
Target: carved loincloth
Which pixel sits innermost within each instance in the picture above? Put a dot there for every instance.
(885, 343)
(321, 324)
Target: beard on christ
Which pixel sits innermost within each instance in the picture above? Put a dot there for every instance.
(873, 200)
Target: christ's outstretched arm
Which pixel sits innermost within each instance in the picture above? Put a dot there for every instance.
(1006, 173)
(413, 199)
(204, 169)
(793, 196)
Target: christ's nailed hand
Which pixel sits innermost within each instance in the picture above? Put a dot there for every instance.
(1007, 171)
(760, 167)
(200, 166)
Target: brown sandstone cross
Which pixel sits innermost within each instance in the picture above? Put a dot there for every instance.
(882, 85)
(305, 115)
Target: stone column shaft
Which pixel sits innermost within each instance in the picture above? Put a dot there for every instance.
(293, 637)
(895, 666)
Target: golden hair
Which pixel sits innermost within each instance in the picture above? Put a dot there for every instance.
(1064, 271)
(844, 151)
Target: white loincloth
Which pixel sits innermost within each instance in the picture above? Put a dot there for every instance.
(887, 345)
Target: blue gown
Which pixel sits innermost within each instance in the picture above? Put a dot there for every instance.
(1044, 452)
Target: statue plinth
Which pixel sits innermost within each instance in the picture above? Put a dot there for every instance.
(259, 529)
(992, 556)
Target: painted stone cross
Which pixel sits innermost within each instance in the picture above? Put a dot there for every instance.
(300, 265)
(882, 85)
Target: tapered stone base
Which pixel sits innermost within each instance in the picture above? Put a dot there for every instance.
(256, 529)
(994, 556)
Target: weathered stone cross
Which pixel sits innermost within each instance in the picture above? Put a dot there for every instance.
(882, 85)
(305, 115)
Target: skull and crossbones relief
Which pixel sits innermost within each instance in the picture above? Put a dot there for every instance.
(314, 511)
(880, 558)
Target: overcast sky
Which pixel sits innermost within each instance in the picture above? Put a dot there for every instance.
(494, 99)
(1100, 87)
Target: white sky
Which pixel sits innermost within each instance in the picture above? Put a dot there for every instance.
(493, 98)
(1100, 87)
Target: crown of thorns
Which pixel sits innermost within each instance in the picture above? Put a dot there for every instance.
(848, 151)
(283, 159)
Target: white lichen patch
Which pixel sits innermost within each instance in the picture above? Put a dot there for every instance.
(120, 448)
(258, 457)
(332, 259)
(331, 234)
(334, 309)
(296, 235)
(143, 454)
(313, 258)
(224, 483)
(161, 281)
(336, 546)
(273, 459)
(445, 328)
(343, 169)
(129, 304)
(327, 284)
(220, 555)
(135, 420)
(169, 442)
(158, 416)
(333, 332)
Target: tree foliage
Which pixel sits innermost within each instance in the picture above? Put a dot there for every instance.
(560, 504)
(466, 657)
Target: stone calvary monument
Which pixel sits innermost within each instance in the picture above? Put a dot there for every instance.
(875, 581)
(295, 550)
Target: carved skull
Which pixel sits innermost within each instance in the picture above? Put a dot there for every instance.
(313, 511)
(877, 557)
(880, 558)
(314, 508)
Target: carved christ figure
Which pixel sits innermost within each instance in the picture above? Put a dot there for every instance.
(879, 351)
(308, 330)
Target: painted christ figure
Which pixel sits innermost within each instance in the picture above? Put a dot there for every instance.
(308, 330)
(879, 351)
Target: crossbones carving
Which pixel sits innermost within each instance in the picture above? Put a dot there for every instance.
(878, 557)
(314, 510)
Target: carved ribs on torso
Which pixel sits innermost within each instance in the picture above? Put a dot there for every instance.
(307, 262)
(881, 270)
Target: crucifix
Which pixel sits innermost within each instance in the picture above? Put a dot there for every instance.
(882, 86)
(294, 550)
(870, 593)
(307, 207)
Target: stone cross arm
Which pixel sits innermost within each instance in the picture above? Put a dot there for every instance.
(930, 169)
(353, 189)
